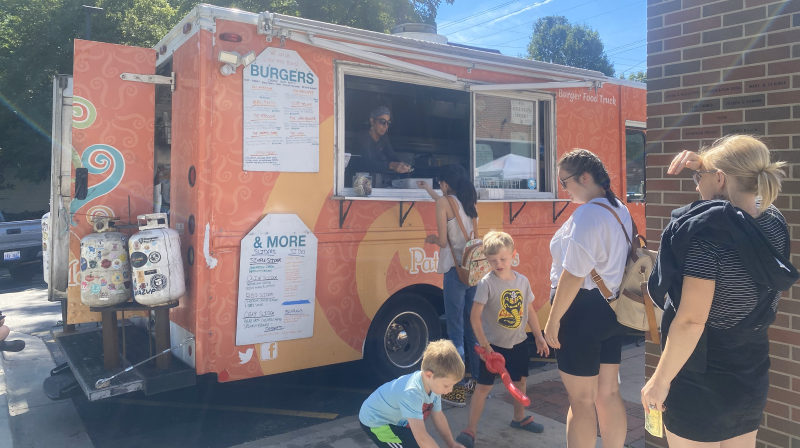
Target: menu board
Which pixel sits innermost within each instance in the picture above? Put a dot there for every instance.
(281, 113)
(277, 281)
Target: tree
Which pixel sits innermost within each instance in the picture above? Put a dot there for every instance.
(555, 40)
(36, 42)
(639, 76)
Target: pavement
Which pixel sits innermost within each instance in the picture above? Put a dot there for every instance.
(549, 407)
(234, 413)
(27, 416)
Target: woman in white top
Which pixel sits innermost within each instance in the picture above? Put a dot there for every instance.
(454, 182)
(582, 326)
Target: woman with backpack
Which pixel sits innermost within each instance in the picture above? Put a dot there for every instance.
(720, 270)
(582, 327)
(458, 196)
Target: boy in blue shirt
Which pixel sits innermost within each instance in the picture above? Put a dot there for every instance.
(394, 415)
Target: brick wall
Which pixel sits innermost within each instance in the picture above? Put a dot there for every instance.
(715, 68)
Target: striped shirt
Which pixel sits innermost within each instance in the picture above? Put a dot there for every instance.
(735, 293)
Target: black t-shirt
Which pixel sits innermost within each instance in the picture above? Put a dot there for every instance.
(374, 156)
(735, 293)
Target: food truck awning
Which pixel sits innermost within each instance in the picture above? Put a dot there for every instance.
(280, 26)
(344, 48)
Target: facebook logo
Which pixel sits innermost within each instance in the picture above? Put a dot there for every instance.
(269, 351)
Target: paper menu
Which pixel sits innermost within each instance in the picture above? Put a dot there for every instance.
(277, 281)
(281, 113)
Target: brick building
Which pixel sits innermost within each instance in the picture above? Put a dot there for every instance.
(715, 68)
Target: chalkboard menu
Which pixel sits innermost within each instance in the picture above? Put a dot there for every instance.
(281, 113)
(277, 281)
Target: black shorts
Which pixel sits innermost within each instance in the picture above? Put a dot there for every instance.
(589, 335)
(391, 436)
(517, 359)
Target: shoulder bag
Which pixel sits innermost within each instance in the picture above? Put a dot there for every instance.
(474, 265)
(632, 303)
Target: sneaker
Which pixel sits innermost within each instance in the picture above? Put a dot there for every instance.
(528, 425)
(12, 346)
(466, 438)
(470, 386)
(458, 397)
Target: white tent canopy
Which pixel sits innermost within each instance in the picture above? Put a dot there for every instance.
(510, 166)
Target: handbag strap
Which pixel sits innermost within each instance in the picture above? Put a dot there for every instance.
(650, 311)
(463, 230)
(601, 285)
(460, 222)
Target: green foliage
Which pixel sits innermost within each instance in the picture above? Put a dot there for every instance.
(640, 76)
(36, 42)
(556, 40)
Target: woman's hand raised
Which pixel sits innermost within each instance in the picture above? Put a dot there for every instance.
(686, 159)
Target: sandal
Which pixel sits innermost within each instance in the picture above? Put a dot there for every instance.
(528, 425)
(466, 438)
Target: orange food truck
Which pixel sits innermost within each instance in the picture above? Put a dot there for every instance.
(242, 126)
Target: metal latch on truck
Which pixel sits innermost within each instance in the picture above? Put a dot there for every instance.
(150, 79)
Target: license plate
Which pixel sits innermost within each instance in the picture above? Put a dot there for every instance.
(11, 255)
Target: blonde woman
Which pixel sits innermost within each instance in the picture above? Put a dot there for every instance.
(722, 265)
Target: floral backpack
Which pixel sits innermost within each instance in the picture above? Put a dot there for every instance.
(474, 265)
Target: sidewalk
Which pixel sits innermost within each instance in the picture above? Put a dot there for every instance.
(549, 406)
(30, 418)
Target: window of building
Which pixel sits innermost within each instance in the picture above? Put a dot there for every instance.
(635, 140)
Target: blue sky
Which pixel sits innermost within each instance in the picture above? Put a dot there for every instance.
(507, 25)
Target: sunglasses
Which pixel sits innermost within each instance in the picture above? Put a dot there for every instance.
(696, 175)
(563, 182)
(383, 122)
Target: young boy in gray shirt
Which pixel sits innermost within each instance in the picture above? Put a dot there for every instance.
(503, 305)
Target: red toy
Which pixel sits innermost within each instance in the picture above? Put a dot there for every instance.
(495, 363)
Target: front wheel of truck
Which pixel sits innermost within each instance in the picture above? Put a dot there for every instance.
(399, 334)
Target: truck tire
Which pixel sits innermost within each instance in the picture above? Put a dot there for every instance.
(22, 273)
(399, 334)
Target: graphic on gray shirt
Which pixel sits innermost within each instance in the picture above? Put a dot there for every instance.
(505, 308)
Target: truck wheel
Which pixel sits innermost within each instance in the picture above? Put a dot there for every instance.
(399, 334)
(22, 273)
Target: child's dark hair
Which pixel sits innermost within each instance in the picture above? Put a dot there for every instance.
(579, 161)
(455, 176)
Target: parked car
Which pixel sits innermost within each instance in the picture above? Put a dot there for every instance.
(21, 248)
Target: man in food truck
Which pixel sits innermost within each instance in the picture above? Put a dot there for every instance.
(372, 147)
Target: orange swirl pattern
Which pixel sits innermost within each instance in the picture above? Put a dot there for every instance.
(125, 122)
(230, 200)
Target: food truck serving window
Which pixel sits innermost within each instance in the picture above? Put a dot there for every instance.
(395, 129)
(512, 145)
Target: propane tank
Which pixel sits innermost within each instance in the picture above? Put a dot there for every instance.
(105, 270)
(156, 260)
(45, 248)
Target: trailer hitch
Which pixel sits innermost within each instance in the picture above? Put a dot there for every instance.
(102, 383)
